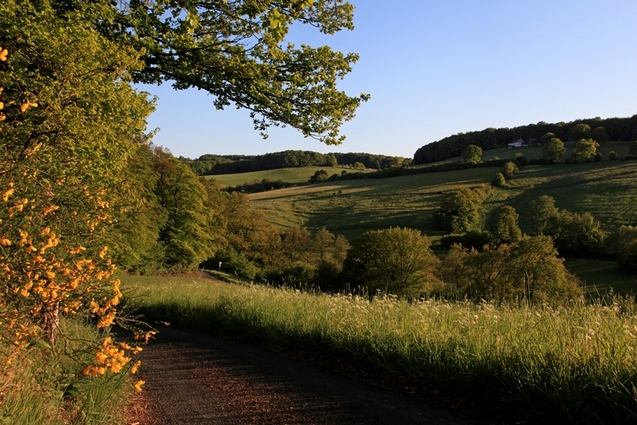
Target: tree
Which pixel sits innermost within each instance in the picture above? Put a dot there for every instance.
(499, 180)
(505, 227)
(319, 176)
(581, 131)
(237, 52)
(599, 135)
(458, 212)
(625, 248)
(585, 149)
(70, 122)
(528, 271)
(576, 232)
(554, 150)
(395, 260)
(509, 169)
(472, 154)
(541, 211)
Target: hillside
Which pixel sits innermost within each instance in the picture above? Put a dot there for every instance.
(606, 189)
(289, 175)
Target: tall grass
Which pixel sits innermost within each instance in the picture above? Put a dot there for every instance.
(41, 388)
(578, 363)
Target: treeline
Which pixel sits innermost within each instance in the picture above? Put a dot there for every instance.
(618, 129)
(231, 164)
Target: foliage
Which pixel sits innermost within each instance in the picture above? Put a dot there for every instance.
(542, 210)
(472, 239)
(504, 227)
(494, 355)
(554, 150)
(59, 176)
(319, 176)
(527, 271)
(394, 261)
(509, 169)
(581, 131)
(449, 147)
(499, 180)
(458, 212)
(625, 248)
(573, 232)
(599, 135)
(585, 149)
(237, 52)
(41, 389)
(613, 156)
(472, 154)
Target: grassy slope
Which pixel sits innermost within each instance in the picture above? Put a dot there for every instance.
(291, 175)
(606, 189)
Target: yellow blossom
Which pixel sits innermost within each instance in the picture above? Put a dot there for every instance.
(26, 105)
(138, 385)
(50, 209)
(7, 194)
(3, 54)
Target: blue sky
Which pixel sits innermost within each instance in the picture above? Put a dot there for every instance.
(440, 67)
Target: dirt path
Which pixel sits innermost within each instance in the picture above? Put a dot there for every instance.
(193, 378)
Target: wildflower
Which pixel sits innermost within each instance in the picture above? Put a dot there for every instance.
(138, 385)
(4, 241)
(50, 209)
(133, 369)
(3, 54)
(7, 194)
(26, 105)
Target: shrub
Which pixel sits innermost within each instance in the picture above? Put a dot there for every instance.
(613, 156)
(499, 180)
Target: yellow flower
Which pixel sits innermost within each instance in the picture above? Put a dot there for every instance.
(5, 195)
(4, 241)
(26, 105)
(138, 385)
(50, 209)
(3, 54)
(133, 369)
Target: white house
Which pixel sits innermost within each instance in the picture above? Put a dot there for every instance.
(517, 144)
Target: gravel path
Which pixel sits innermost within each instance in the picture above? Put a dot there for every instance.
(194, 378)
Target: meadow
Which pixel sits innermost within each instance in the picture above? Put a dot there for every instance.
(573, 364)
(290, 175)
(606, 189)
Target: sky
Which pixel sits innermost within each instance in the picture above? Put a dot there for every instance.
(435, 68)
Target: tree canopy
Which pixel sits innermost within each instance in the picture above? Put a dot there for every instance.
(236, 50)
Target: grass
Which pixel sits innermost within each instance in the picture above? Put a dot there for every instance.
(40, 388)
(606, 189)
(577, 364)
(290, 175)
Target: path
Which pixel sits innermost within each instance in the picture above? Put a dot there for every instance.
(194, 378)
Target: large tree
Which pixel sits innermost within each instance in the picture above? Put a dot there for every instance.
(237, 51)
(554, 150)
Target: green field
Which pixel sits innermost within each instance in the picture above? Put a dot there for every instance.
(290, 175)
(606, 189)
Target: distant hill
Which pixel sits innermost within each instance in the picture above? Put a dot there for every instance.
(211, 164)
(618, 129)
